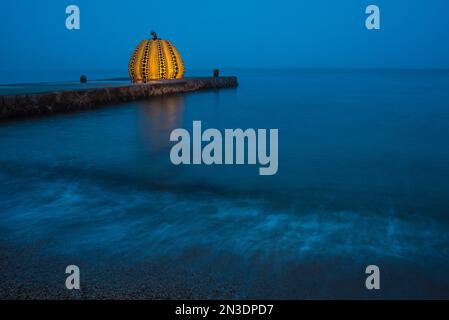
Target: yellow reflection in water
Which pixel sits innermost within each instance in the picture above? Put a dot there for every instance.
(158, 117)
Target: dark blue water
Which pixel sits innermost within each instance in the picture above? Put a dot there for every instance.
(363, 179)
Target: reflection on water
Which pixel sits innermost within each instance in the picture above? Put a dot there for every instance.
(157, 118)
(363, 179)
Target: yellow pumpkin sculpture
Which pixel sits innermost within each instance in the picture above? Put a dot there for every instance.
(155, 59)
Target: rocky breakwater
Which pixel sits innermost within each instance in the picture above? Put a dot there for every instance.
(47, 103)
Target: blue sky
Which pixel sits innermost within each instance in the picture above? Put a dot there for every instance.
(226, 34)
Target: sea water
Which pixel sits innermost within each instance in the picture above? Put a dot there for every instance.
(363, 179)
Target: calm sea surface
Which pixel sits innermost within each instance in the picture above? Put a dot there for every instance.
(363, 179)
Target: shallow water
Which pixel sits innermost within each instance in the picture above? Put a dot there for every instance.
(363, 179)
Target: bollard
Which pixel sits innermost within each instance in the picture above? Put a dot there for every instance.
(83, 79)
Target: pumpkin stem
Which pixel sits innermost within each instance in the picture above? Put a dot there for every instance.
(154, 35)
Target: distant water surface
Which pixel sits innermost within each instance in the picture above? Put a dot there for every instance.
(363, 179)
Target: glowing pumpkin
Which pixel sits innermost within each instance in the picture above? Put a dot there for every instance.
(155, 59)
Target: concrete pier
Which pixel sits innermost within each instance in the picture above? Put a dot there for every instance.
(53, 102)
